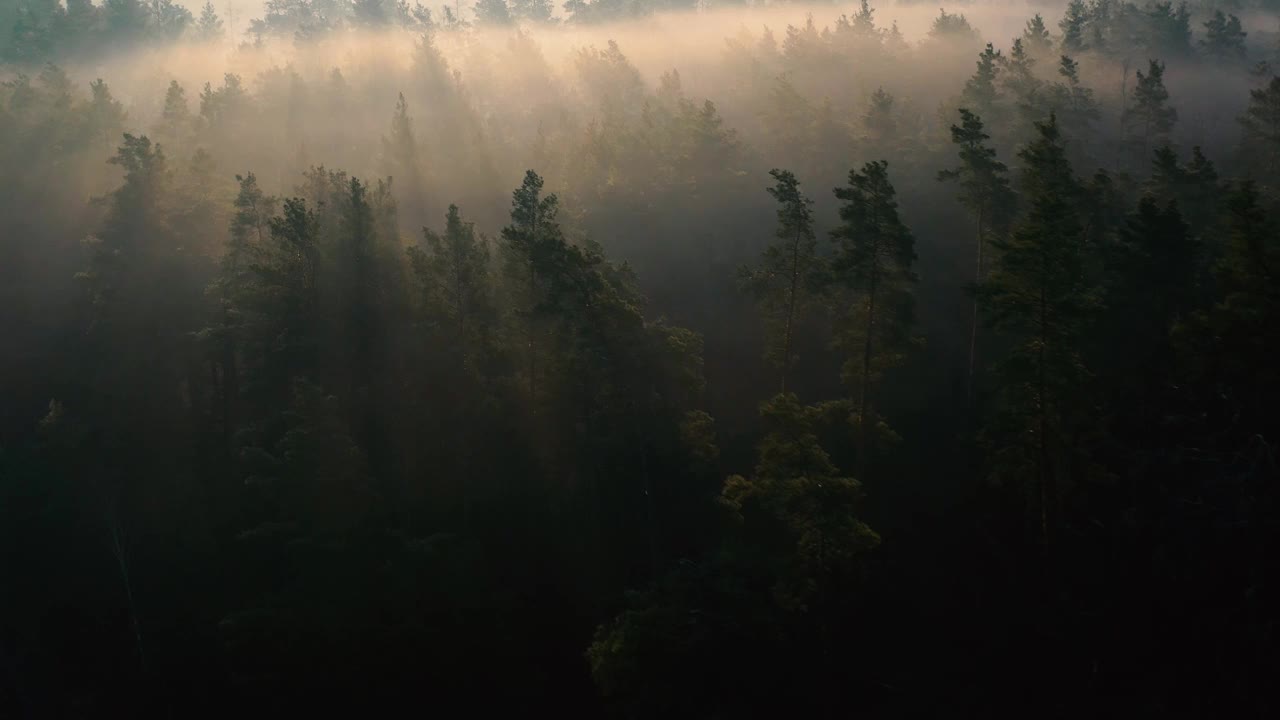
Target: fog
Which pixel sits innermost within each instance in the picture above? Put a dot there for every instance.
(344, 352)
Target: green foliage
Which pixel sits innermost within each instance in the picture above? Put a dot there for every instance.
(952, 26)
(493, 12)
(981, 92)
(453, 275)
(209, 27)
(1038, 295)
(797, 515)
(1224, 38)
(1072, 26)
(873, 264)
(1261, 124)
(1193, 187)
(789, 271)
(1149, 119)
(985, 191)
(1036, 38)
(879, 120)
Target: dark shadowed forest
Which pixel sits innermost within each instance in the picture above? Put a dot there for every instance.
(639, 359)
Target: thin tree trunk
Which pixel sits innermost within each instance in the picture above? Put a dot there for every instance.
(865, 402)
(973, 326)
(230, 390)
(1043, 470)
(651, 508)
(533, 349)
(122, 563)
(464, 449)
(791, 309)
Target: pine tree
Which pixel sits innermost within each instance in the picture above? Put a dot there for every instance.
(532, 240)
(786, 276)
(1075, 108)
(539, 11)
(1036, 37)
(879, 120)
(246, 246)
(1072, 26)
(280, 302)
(951, 27)
(874, 256)
(402, 159)
(357, 306)
(209, 26)
(310, 472)
(1157, 271)
(1019, 77)
(1229, 347)
(1224, 38)
(894, 41)
(981, 92)
(453, 270)
(1149, 119)
(864, 23)
(1192, 187)
(796, 488)
(493, 12)
(1037, 294)
(106, 116)
(1261, 123)
(985, 191)
(175, 117)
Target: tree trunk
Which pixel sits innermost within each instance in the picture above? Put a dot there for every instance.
(122, 563)
(973, 326)
(865, 402)
(1043, 471)
(791, 310)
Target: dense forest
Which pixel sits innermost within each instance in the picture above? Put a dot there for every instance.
(639, 358)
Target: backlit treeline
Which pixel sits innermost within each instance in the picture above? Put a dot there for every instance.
(839, 372)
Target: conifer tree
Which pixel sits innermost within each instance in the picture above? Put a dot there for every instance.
(985, 191)
(493, 12)
(452, 269)
(539, 11)
(530, 242)
(402, 158)
(1038, 295)
(1193, 187)
(786, 276)
(864, 23)
(1072, 26)
(1261, 123)
(1157, 268)
(106, 116)
(1036, 37)
(1224, 38)
(879, 120)
(246, 246)
(1227, 348)
(1019, 80)
(175, 117)
(1075, 108)
(981, 92)
(209, 26)
(1149, 119)
(797, 488)
(874, 256)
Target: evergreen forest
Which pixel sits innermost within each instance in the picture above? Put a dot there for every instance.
(695, 359)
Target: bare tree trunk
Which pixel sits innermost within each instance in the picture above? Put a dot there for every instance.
(1043, 470)
(864, 410)
(973, 327)
(791, 309)
(122, 563)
